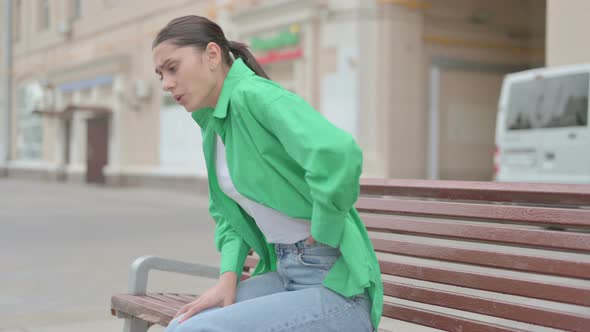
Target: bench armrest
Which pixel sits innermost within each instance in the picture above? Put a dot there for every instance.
(141, 267)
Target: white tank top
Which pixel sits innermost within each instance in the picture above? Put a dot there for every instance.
(276, 226)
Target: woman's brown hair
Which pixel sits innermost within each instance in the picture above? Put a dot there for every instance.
(198, 31)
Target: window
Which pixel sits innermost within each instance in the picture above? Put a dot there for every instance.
(76, 9)
(16, 20)
(44, 15)
(180, 141)
(549, 103)
(30, 131)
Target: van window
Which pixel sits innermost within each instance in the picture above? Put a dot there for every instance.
(548, 103)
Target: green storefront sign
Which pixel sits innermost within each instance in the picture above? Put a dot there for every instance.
(282, 39)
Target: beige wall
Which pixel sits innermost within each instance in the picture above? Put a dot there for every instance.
(488, 33)
(401, 129)
(111, 38)
(467, 108)
(387, 49)
(484, 41)
(568, 23)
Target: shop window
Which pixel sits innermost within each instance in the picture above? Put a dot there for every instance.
(75, 9)
(30, 130)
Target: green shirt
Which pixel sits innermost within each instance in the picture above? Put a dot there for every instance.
(283, 154)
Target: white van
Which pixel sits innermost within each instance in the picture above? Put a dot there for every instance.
(542, 132)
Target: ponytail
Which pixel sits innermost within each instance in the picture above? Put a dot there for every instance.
(240, 50)
(198, 31)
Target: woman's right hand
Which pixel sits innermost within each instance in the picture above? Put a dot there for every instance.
(220, 295)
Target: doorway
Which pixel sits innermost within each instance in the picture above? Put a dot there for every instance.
(463, 103)
(97, 149)
(468, 107)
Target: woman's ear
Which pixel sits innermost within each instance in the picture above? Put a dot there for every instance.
(213, 55)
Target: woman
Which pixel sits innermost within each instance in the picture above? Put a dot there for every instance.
(282, 181)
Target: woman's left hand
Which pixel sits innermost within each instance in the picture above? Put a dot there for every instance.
(310, 240)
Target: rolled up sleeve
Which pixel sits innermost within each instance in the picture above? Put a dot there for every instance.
(229, 243)
(330, 157)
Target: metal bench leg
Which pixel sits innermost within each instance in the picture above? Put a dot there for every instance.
(135, 325)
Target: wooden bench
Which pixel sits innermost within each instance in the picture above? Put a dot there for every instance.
(455, 256)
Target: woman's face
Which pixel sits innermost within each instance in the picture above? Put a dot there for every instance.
(193, 77)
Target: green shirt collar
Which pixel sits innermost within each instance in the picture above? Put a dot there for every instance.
(237, 72)
(200, 116)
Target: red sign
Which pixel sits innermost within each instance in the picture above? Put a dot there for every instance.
(278, 56)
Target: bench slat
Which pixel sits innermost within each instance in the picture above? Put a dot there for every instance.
(482, 281)
(149, 302)
(497, 308)
(520, 214)
(151, 312)
(186, 297)
(440, 320)
(516, 262)
(495, 233)
(522, 287)
(411, 209)
(537, 193)
(173, 303)
(181, 299)
(142, 308)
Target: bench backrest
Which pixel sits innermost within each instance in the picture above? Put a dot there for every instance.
(481, 256)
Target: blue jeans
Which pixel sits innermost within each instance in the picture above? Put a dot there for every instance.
(290, 299)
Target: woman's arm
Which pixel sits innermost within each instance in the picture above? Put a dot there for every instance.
(220, 295)
(331, 158)
(229, 243)
(233, 254)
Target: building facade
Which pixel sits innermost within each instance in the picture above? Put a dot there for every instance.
(416, 82)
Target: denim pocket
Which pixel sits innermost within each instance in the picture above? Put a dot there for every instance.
(318, 261)
(319, 256)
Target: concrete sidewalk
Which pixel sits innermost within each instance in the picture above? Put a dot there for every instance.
(64, 249)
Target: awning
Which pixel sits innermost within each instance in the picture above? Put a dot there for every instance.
(69, 110)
